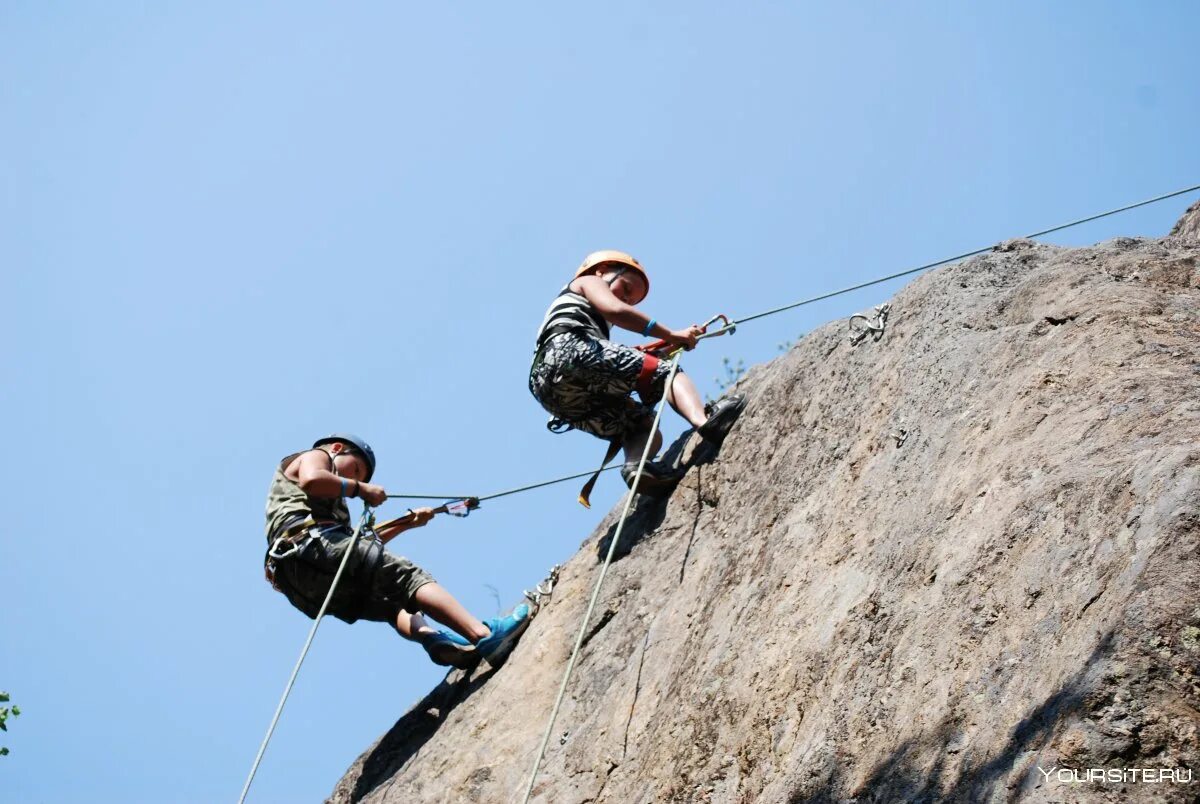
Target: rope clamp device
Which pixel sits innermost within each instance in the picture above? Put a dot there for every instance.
(874, 328)
(459, 508)
(545, 589)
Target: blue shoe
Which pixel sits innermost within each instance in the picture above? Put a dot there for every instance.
(455, 637)
(505, 633)
(449, 649)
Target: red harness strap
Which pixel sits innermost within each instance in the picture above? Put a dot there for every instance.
(649, 366)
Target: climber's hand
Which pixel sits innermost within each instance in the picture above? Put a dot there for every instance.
(685, 337)
(421, 517)
(373, 495)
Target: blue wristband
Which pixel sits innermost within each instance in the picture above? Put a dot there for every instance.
(343, 487)
(649, 326)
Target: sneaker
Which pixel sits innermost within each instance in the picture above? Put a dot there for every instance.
(449, 649)
(505, 633)
(721, 416)
(656, 479)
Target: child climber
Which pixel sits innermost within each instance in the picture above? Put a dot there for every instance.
(585, 380)
(309, 531)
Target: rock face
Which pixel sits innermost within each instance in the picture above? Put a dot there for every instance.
(959, 562)
(1188, 227)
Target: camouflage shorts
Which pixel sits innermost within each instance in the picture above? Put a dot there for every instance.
(376, 585)
(586, 383)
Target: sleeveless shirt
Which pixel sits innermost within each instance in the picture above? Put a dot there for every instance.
(287, 502)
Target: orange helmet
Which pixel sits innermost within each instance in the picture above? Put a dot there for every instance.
(599, 258)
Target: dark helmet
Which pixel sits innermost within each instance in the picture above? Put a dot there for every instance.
(360, 447)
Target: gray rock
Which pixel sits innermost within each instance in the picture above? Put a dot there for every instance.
(1189, 225)
(821, 613)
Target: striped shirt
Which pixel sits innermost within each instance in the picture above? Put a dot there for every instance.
(572, 312)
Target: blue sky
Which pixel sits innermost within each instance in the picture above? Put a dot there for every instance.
(228, 229)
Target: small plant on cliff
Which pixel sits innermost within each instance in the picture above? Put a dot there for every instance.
(732, 372)
(5, 711)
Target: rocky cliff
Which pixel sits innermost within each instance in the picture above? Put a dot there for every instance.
(959, 562)
(1188, 227)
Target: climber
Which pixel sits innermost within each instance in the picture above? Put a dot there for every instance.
(308, 532)
(585, 380)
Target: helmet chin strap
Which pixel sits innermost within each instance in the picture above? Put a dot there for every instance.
(333, 467)
(620, 273)
(332, 461)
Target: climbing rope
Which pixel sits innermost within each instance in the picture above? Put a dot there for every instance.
(612, 547)
(497, 494)
(364, 522)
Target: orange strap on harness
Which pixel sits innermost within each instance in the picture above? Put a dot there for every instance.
(650, 364)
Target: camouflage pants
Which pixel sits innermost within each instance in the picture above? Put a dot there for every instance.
(586, 383)
(376, 584)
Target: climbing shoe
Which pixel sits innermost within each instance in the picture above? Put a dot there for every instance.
(721, 416)
(449, 649)
(657, 479)
(505, 632)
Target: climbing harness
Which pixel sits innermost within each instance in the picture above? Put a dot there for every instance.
(612, 547)
(365, 523)
(874, 328)
(295, 536)
(290, 541)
